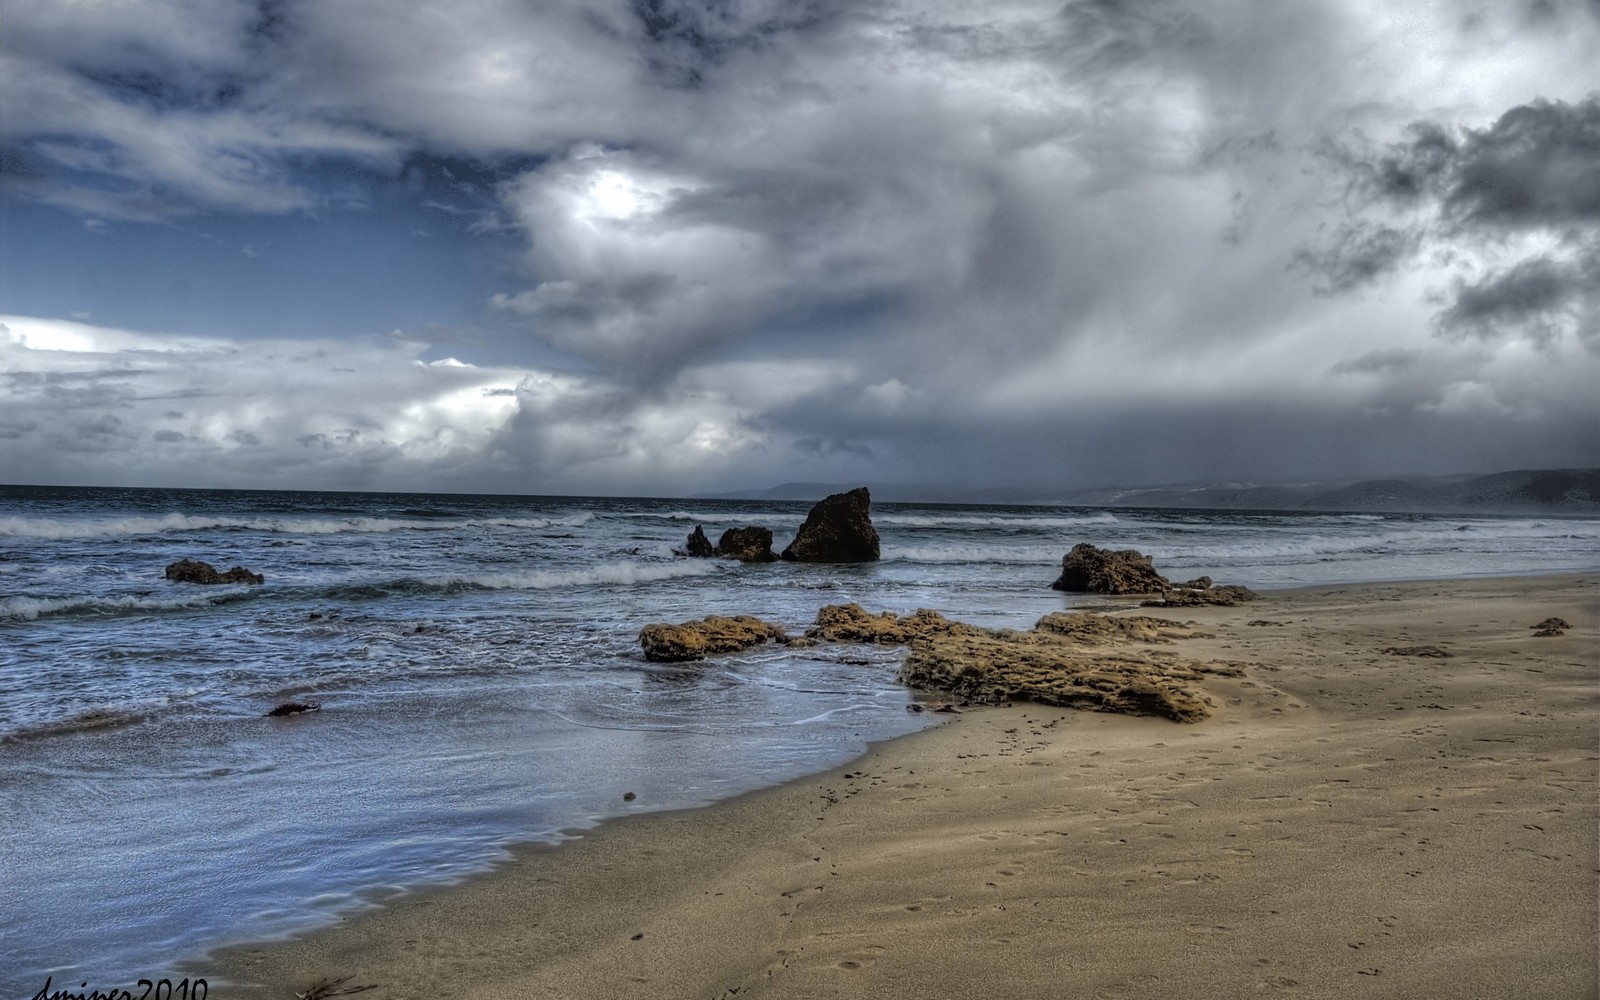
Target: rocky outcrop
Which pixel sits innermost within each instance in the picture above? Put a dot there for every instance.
(1089, 569)
(1226, 596)
(837, 530)
(750, 544)
(852, 623)
(1048, 669)
(714, 634)
(194, 571)
(1106, 630)
(698, 544)
(1066, 659)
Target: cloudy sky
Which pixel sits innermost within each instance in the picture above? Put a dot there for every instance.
(665, 247)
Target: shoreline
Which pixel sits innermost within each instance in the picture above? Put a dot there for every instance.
(1453, 853)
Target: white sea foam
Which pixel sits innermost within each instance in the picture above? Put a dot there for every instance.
(979, 554)
(613, 574)
(1023, 521)
(31, 608)
(1433, 538)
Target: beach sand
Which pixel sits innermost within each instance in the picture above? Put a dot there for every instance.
(1349, 822)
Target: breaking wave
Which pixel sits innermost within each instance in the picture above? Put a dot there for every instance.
(95, 718)
(32, 608)
(605, 574)
(1025, 522)
(31, 527)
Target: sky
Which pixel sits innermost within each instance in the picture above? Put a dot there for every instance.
(655, 247)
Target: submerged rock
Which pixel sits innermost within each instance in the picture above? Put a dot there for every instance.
(1089, 569)
(750, 544)
(664, 643)
(293, 708)
(837, 530)
(194, 571)
(698, 544)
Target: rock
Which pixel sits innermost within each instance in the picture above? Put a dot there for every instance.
(851, 623)
(1227, 597)
(994, 667)
(838, 529)
(293, 708)
(194, 571)
(699, 545)
(1064, 660)
(711, 635)
(750, 544)
(1091, 570)
(1430, 651)
(1550, 627)
(1083, 627)
(1198, 583)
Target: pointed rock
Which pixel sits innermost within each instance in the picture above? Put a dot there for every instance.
(837, 530)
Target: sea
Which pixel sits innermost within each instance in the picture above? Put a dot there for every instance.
(480, 682)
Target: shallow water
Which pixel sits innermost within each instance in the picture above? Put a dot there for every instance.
(480, 681)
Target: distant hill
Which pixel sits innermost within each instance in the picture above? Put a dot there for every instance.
(1571, 491)
(1552, 491)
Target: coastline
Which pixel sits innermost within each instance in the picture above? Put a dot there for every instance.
(1347, 821)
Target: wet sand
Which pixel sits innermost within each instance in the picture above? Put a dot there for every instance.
(1349, 822)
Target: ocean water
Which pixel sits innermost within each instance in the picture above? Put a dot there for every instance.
(481, 684)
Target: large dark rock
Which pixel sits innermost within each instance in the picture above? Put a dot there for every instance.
(699, 545)
(194, 571)
(838, 529)
(746, 545)
(1091, 570)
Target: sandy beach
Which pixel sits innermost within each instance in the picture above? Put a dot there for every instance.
(1360, 816)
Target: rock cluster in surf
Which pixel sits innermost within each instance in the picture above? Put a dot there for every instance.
(838, 529)
(747, 544)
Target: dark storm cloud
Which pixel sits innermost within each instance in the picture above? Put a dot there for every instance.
(1539, 296)
(1052, 242)
(1474, 197)
(1356, 254)
(1538, 165)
